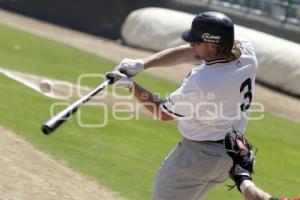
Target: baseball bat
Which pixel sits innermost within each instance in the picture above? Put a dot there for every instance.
(54, 122)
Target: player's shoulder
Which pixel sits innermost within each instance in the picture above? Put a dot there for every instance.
(243, 40)
(245, 44)
(248, 53)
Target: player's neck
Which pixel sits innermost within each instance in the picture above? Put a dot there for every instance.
(215, 57)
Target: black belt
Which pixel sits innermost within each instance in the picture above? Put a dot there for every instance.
(216, 141)
(219, 141)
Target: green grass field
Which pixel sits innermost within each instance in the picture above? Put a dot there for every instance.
(124, 155)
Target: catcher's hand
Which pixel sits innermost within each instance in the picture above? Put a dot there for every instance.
(240, 150)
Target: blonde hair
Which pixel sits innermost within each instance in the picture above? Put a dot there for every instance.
(234, 53)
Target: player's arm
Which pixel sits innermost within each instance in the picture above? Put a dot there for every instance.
(168, 57)
(251, 192)
(150, 102)
(147, 98)
(178, 105)
(171, 57)
(254, 193)
(240, 150)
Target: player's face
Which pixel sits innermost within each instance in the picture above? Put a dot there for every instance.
(199, 49)
(205, 51)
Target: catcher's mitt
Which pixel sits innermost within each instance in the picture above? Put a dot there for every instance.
(240, 150)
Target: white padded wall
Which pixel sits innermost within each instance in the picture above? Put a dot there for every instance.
(157, 29)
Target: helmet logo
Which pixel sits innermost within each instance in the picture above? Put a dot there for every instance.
(207, 37)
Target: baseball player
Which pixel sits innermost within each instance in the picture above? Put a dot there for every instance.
(214, 98)
(240, 150)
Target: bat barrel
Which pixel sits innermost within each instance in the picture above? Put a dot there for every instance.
(65, 114)
(46, 129)
(60, 118)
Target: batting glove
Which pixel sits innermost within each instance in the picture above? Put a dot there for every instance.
(118, 79)
(130, 67)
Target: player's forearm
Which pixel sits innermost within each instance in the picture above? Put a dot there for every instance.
(254, 193)
(171, 57)
(149, 101)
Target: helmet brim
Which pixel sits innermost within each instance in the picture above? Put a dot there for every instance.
(188, 36)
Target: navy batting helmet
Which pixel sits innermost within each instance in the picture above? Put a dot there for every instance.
(213, 27)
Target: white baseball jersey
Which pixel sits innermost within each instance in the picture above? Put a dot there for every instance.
(215, 97)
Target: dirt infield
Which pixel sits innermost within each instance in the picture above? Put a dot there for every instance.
(26, 173)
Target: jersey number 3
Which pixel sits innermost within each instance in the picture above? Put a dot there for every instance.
(246, 88)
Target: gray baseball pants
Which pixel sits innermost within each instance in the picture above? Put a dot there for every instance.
(191, 170)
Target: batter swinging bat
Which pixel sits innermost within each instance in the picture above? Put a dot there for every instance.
(65, 114)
